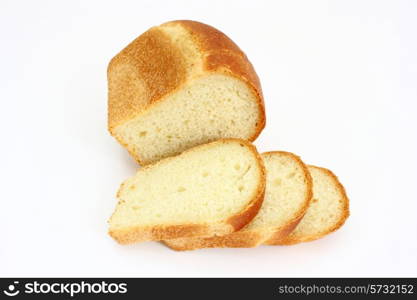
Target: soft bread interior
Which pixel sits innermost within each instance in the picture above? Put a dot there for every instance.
(204, 185)
(287, 191)
(205, 109)
(328, 208)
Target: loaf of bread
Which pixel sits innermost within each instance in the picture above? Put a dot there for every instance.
(287, 195)
(186, 102)
(211, 189)
(179, 85)
(327, 212)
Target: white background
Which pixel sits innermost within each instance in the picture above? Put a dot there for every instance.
(340, 86)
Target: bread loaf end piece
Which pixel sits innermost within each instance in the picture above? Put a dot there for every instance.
(179, 85)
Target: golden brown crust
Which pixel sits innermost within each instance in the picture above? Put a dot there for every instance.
(143, 72)
(291, 239)
(209, 38)
(155, 233)
(253, 237)
(283, 232)
(238, 239)
(153, 67)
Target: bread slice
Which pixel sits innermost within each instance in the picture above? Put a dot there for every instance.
(327, 212)
(287, 195)
(179, 85)
(212, 189)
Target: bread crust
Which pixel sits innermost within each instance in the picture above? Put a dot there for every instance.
(238, 239)
(291, 239)
(153, 67)
(254, 237)
(233, 223)
(137, 78)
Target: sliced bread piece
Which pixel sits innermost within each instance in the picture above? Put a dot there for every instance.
(212, 189)
(287, 195)
(179, 85)
(327, 212)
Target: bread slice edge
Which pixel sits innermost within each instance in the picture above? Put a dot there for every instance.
(229, 225)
